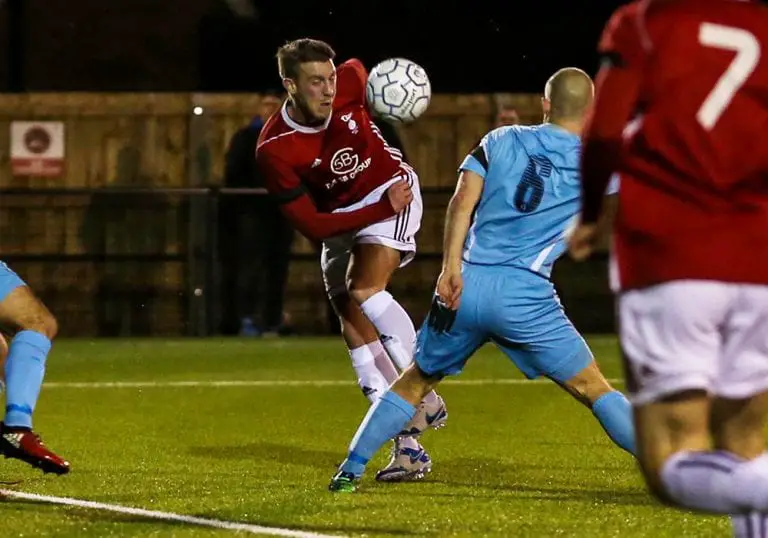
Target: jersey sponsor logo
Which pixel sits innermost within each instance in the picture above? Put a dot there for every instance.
(352, 171)
(346, 164)
(344, 161)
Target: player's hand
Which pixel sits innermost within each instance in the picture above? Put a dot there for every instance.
(449, 286)
(582, 241)
(400, 195)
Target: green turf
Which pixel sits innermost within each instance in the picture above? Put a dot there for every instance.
(514, 460)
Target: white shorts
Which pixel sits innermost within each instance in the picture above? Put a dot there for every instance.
(398, 232)
(689, 335)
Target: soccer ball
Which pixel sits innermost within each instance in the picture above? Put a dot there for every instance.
(398, 90)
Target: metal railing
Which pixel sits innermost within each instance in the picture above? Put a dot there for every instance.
(151, 256)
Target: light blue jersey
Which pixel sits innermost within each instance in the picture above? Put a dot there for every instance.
(9, 281)
(530, 199)
(529, 204)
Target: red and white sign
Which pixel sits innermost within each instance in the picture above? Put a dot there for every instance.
(37, 148)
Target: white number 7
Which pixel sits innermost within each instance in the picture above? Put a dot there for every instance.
(747, 49)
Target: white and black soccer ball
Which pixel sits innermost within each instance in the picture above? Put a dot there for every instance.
(398, 90)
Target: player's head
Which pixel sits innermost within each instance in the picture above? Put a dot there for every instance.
(309, 76)
(568, 96)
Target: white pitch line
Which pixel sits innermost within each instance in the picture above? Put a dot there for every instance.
(165, 516)
(274, 383)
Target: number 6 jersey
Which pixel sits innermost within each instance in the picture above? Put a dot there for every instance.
(531, 196)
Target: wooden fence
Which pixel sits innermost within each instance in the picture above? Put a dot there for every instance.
(157, 140)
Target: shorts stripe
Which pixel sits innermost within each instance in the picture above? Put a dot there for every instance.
(404, 228)
(402, 220)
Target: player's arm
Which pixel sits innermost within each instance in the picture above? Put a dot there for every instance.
(458, 218)
(351, 81)
(286, 188)
(461, 208)
(617, 91)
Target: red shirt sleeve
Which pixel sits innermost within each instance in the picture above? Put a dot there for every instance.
(351, 80)
(617, 92)
(286, 188)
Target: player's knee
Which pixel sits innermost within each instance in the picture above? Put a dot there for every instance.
(738, 426)
(42, 322)
(414, 384)
(588, 385)
(361, 290)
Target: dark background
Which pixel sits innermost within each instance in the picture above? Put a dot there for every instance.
(182, 45)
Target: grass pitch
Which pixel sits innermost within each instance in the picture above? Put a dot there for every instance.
(155, 424)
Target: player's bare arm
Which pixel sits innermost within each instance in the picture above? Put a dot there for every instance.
(457, 221)
(3, 356)
(617, 89)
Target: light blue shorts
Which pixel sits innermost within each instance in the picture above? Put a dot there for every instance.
(517, 310)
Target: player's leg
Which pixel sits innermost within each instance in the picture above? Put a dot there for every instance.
(370, 270)
(3, 357)
(33, 327)
(683, 342)
(738, 426)
(371, 362)
(363, 344)
(610, 406)
(379, 250)
(439, 352)
(540, 339)
(374, 369)
(376, 372)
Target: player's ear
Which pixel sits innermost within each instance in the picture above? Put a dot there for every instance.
(545, 107)
(290, 86)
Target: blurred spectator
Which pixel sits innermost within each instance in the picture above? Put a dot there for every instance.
(255, 240)
(506, 115)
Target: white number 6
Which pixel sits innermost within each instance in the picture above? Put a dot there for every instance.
(747, 49)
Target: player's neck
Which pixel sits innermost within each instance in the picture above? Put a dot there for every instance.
(572, 126)
(299, 116)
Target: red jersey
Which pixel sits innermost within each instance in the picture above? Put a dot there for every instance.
(336, 164)
(692, 75)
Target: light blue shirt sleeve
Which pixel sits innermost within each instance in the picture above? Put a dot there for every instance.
(479, 158)
(473, 164)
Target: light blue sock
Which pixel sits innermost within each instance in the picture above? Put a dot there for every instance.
(385, 419)
(24, 371)
(614, 412)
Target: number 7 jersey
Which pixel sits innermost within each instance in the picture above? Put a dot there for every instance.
(530, 199)
(694, 170)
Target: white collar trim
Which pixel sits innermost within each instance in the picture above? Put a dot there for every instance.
(299, 127)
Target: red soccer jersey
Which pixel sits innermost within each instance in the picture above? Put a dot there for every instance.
(337, 163)
(694, 163)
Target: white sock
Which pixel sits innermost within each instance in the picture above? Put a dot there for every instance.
(396, 329)
(412, 442)
(751, 525)
(383, 362)
(717, 482)
(394, 325)
(369, 379)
